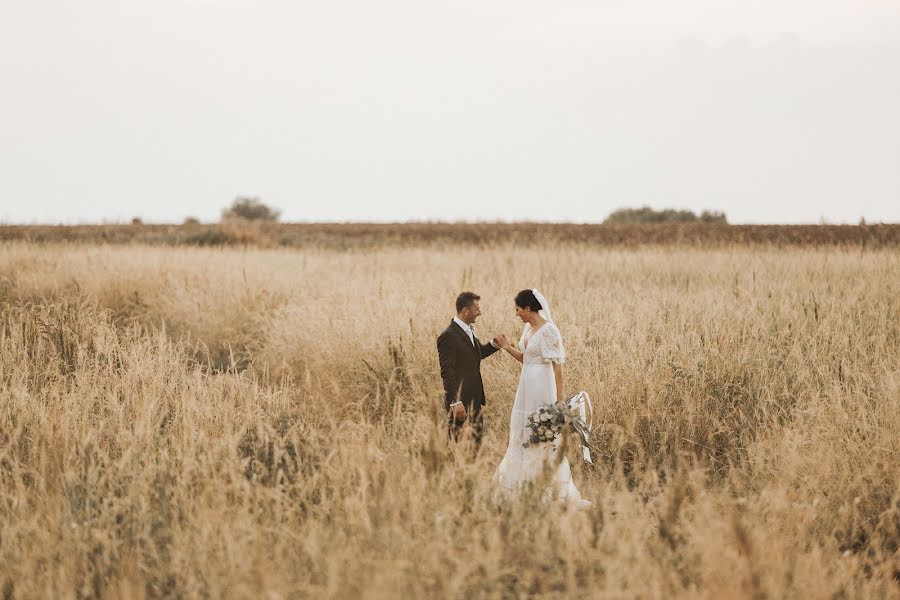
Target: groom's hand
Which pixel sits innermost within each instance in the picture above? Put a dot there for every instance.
(459, 412)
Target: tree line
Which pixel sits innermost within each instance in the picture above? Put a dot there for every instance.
(252, 209)
(645, 214)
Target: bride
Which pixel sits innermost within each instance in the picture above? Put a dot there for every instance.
(541, 352)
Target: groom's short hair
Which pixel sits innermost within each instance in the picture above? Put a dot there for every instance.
(465, 300)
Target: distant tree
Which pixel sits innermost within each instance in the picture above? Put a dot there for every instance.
(250, 209)
(137, 221)
(713, 216)
(645, 214)
(191, 221)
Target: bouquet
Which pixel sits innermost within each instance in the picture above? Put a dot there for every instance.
(549, 421)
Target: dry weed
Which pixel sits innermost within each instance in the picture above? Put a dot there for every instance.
(265, 424)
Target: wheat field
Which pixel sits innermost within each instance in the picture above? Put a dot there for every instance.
(182, 422)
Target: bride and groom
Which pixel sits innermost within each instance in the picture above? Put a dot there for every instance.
(541, 352)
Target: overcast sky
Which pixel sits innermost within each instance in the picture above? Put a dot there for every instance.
(773, 111)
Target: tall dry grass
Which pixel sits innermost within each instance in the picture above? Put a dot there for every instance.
(265, 424)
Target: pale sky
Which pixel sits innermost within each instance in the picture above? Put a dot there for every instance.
(773, 111)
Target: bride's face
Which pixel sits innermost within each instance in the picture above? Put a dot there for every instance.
(523, 313)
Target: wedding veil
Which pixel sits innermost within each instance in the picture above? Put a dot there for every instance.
(545, 306)
(544, 312)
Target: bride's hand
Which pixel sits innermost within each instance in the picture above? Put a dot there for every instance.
(503, 341)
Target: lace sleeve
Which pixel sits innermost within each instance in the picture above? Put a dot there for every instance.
(551, 345)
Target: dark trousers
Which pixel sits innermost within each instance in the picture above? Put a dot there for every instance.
(472, 425)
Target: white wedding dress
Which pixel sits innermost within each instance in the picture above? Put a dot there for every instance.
(537, 387)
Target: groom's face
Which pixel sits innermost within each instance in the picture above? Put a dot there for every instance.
(470, 313)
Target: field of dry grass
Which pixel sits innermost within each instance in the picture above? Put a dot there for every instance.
(379, 235)
(186, 422)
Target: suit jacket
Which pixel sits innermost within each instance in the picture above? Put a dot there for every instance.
(461, 367)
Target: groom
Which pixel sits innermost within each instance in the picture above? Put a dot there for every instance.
(460, 354)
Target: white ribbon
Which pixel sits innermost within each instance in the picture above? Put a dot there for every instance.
(578, 402)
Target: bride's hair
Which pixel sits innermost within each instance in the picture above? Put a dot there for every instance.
(526, 299)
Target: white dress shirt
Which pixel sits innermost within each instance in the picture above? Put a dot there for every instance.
(465, 327)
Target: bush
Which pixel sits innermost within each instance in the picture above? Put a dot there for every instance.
(209, 236)
(233, 233)
(250, 209)
(645, 214)
(713, 216)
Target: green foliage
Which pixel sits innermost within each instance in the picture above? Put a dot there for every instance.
(645, 214)
(250, 209)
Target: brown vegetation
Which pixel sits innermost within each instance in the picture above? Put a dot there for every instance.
(369, 235)
(250, 209)
(264, 423)
(645, 214)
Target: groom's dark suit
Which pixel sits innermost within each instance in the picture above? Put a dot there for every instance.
(461, 372)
